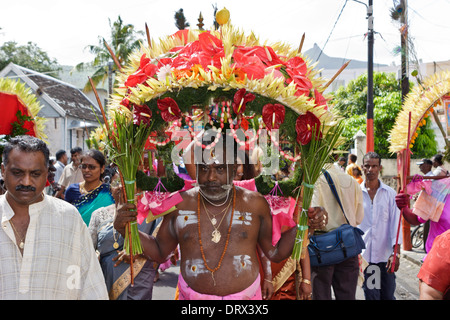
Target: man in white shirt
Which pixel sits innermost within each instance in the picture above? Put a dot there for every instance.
(72, 173)
(61, 162)
(46, 250)
(438, 163)
(380, 225)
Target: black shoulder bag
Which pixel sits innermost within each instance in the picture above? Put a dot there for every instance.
(336, 245)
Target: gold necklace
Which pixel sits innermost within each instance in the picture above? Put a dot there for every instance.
(214, 220)
(226, 242)
(115, 244)
(216, 235)
(22, 241)
(83, 187)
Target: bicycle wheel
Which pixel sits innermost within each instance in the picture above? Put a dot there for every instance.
(417, 237)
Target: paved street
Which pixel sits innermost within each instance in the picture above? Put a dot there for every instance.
(407, 282)
(164, 288)
(406, 277)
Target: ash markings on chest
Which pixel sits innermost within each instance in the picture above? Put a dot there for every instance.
(186, 218)
(242, 218)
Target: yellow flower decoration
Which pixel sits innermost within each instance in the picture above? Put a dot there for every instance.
(419, 102)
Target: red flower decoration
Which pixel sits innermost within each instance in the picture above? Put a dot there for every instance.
(306, 125)
(126, 103)
(319, 99)
(206, 51)
(297, 65)
(182, 35)
(264, 53)
(169, 109)
(146, 69)
(164, 61)
(251, 65)
(142, 115)
(296, 68)
(240, 100)
(273, 115)
(210, 44)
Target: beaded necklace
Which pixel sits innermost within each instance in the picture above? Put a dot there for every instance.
(226, 243)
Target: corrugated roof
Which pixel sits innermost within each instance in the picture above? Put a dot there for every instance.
(71, 99)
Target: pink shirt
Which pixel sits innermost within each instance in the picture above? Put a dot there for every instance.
(436, 228)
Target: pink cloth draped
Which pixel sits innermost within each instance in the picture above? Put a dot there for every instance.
(253, 292)
(418, 185)
(247, 184)
(188, 184)
(430, 203)
(157, 203)
(282, 210)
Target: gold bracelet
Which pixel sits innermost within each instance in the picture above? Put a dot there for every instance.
(305, 281)
(270, 281)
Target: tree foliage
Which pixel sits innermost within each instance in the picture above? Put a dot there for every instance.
(123, 40)
(29, 56)
(180, 20)
(351, 103)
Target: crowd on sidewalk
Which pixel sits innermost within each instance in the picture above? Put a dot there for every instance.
(63, 227)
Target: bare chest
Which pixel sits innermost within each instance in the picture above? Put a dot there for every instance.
(237, 226)
(213, 254)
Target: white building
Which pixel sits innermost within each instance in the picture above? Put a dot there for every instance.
(70, 114)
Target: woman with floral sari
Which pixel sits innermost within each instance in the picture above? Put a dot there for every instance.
(92, 193)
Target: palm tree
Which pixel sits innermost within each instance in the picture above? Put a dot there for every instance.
(123, 41)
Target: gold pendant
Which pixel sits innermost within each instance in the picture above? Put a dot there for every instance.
(21, 245)
(216, 236)
(115, 245)
(213, 221)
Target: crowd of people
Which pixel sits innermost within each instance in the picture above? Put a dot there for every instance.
(63, 228)
(382, 207)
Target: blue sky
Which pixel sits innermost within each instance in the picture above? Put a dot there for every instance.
(64, 28)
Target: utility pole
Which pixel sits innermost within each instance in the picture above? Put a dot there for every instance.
(404, 45)
(369, 125)
(406, 228)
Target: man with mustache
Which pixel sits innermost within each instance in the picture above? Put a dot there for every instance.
(46, 251)
(218, 227)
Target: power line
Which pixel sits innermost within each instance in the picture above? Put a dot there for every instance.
(339, 16)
